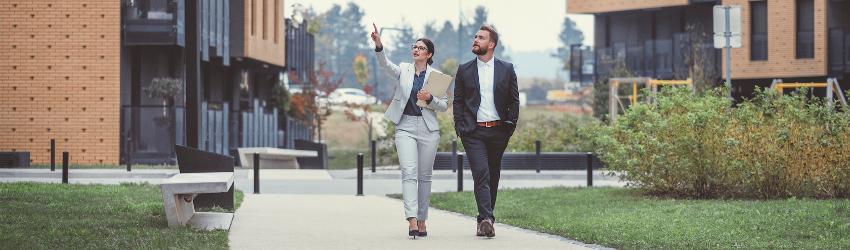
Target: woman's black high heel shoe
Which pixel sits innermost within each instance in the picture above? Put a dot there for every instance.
(412, 232)
(423, 234)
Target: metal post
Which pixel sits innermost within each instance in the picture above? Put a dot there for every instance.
(52, 155)
(359, 174)
(728, 35)
(829, 92)
(460, 173)
(256, 173)
(589, 169)
(129, 153)
(537, 154)
(374, 154)
(65, 167)
(454, 155)
(375, 74)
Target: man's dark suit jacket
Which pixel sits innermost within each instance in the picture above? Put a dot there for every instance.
(468, 95)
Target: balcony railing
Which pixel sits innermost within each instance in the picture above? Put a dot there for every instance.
(154, 22)
(581, 64)
(163, 22)
(149, 133)
(659, 58)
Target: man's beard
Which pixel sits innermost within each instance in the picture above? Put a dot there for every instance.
(480, 51)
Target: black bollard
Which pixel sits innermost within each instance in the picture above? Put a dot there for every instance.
(460, 173)
(454, 155)
(52, 155)
(129, 153)
(359, 174)
(537, 154)
(65, 167)
(374, 153)
(256, 173)
(589, 169)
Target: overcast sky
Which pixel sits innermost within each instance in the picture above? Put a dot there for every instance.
(523, 25)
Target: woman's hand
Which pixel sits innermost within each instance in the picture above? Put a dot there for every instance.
(423, 95)
(376, 37)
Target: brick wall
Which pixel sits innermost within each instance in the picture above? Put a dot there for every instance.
(256, 45)
(781, 46)
(602, 6)
(59, 78)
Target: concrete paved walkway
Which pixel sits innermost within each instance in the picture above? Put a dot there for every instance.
(289, 221)
(317, 209)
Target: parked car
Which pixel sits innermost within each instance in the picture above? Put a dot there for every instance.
(321, 96)
(343, 96)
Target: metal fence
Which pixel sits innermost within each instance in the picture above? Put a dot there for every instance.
(149, 133)
(215, 128)
(295, 130)
(259, 128)
(657, 58)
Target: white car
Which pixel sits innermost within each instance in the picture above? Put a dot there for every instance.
(321, 96)
(351, 96)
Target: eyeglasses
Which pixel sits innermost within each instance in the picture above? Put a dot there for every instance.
(420, 48)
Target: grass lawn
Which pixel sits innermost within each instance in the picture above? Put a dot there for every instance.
(346, 159)
(625, 219)
(56, 216)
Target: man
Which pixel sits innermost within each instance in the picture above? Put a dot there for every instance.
(486, 109)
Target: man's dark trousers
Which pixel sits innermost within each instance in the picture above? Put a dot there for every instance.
(484, 149)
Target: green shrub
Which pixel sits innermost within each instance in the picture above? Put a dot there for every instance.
(697, 145)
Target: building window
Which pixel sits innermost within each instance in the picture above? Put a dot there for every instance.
(758, 30)
(805, 29)
(276, 21)
(265, 18)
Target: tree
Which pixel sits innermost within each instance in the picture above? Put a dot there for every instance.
(400, 49)
(570, 34)
(357, 112)
(303, 105)
(449, 67)
(480, 19)
(698, 58)
(430, 31)
(341, 37)
(447, 45)
(361, 70)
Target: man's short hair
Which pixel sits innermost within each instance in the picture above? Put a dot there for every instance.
(494, 36)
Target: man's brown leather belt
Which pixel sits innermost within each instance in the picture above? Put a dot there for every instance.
(489, 124)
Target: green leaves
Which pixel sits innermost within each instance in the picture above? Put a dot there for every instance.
(165, 88)
(697, 145)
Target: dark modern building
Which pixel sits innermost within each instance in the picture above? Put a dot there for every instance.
(228, 54)
(789, 40)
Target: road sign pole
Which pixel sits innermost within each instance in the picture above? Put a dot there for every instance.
(728, 35)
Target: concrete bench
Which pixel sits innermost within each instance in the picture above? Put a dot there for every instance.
(273, 157)
(179, 191)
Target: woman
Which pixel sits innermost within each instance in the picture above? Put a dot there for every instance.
(417, 130)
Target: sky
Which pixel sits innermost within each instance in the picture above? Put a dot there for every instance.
(528, 29)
